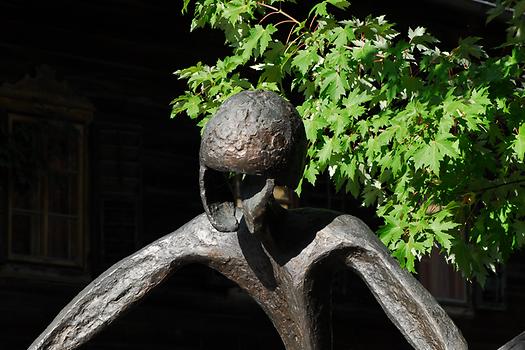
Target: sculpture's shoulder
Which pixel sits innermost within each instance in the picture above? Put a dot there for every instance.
(350, 228)
(199, 226)
(352, 223)
(200, 221)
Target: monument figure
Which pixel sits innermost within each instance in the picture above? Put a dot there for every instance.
(281, 258)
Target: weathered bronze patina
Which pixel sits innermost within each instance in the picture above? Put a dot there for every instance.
(256, 133)
(283, 258)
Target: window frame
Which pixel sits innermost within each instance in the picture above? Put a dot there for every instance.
(78, 261)
(435, 264)
(473, 292)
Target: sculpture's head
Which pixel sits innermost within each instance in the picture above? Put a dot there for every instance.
(260, 135)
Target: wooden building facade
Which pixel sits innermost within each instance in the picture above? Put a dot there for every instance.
(92, 168)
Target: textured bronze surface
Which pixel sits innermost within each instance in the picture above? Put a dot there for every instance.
(281, 276)
(517, 343)
(256, 133)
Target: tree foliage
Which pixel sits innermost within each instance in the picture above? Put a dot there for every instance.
(433, 139)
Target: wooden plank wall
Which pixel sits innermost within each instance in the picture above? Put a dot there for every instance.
(143, 177)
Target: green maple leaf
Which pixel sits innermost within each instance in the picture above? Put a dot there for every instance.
(340, 4)
(420, 38)
(451, 105)
(310, 173)
(313, 126)
(265, 38)
(414, 33)
(334, 84)
(371, 193)
(326, 151)
(440, 229)
(356, 97)
(364, 52)
(431, 154)
(390, 233)
(233, 10)
(519, 230)
(428, 156)
(257, 41)
(447, 147)
(305, 59)
(445, 124)
(396, 163)
(339, 125)
(412, 249)
(386, 136)
(319, 10)
(192, 106)
(519, 143)
(468, 47)
(340, 36)
(399, 253)
(406, 253)
(496, 11)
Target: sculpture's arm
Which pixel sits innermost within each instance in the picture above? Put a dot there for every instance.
(516, 343)
(104, 299)
(406, 302)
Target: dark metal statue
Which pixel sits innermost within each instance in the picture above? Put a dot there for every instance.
(283, 258)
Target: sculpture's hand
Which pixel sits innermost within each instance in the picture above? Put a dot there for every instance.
(104, 299)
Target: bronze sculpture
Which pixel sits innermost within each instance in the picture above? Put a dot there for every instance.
(257, 134)
(280, 257)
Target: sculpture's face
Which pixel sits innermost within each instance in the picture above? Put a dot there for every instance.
(256, 133)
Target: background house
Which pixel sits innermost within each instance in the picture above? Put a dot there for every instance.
(98, 170)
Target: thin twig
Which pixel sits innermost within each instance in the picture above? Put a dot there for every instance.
(312, 22)
(286, 21)
(268, 15)
(484, 189)
(290, 34)
(293, 42)
(278, 11)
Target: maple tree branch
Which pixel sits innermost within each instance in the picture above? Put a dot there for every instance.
(285, 21)
(268, 15)
(488, 188)
(276, 10)
(290, 34)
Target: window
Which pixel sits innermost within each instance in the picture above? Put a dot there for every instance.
(45, 191)
(492, 296)
(440, 279)
(3, 187)
(450, 288)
